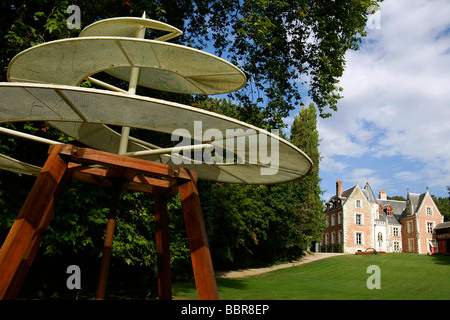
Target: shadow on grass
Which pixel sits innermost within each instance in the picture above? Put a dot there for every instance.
(187, 289)
(445, 260)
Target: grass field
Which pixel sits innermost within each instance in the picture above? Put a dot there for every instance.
(403, 277)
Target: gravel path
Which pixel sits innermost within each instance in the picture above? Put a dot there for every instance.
(256, 271)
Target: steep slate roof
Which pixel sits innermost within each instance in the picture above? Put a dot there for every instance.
(346, 193)
(390, 219)
(414, 199)
(398, 207)
(368, 192)
(343, 196)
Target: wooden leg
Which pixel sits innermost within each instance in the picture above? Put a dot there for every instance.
(25, 236)
(109, 237)
(162, 245)
(198, 242)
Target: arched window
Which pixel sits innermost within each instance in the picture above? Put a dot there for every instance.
(380, 239)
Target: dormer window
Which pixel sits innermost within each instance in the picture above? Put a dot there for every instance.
(389, 210)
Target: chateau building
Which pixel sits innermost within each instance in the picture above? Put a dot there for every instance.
(357, 220)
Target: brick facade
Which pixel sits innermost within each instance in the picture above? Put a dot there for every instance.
(420, 218)
(357, 221)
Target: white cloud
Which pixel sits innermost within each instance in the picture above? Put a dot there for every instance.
(338, 142)
(329, 164)
(396, 103)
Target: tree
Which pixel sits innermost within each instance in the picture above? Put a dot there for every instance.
(399, 198)
(443, 204)
(309, 206)
(282, 43)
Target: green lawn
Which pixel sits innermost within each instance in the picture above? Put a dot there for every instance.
(403, 276)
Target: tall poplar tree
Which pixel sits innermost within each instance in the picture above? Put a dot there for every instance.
(306, 192)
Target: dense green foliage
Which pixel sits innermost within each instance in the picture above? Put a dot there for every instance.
(443, 204)
(281, 46)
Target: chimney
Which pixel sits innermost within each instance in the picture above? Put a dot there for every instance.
(338, 188)
(382, 195)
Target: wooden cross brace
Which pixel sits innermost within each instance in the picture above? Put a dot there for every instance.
(118, 172)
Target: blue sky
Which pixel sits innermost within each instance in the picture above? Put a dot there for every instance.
(392, 127)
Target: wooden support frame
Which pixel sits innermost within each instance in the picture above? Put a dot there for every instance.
(22, 242)
(162, 245)
(198, 241)
(67, 161)
(109, 237)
